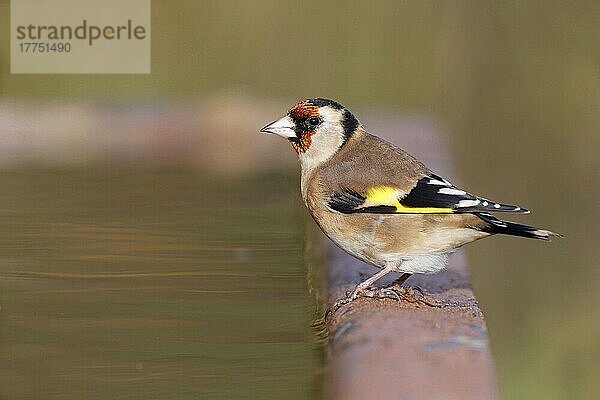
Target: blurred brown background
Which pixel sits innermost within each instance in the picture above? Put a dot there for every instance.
(515, 86)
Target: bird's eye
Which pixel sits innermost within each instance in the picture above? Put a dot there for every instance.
(313, 121)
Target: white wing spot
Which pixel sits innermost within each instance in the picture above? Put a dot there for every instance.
(467, 203)
(497, 205)
(436, 182)
(517, 208)
(485, 203)
(455, 192)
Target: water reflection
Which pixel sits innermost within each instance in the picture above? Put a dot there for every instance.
(153, 284)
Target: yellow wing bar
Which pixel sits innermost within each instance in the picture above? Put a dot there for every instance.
(389, 196)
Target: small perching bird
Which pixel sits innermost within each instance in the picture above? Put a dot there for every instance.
(379, 203)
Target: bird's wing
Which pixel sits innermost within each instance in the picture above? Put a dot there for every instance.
(430, 195)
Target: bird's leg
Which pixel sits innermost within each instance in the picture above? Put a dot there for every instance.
(396, 286)
(362, 287)
(409, 293)
(402, 279)
(361, 290)
(389, 291)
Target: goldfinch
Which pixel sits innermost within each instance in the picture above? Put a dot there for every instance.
(379, 203)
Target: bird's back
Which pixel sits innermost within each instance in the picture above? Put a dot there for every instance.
(366, 161)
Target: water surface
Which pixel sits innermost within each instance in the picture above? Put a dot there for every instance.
(153, 284)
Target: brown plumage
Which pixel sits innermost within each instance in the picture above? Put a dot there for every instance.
(366, 161)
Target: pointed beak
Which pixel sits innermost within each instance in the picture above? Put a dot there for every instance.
(283, 127)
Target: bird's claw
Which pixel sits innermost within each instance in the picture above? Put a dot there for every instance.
(409, 293)
(336, 306)
(350, 296)
(398, 293)
(372, 293)
(384, 293)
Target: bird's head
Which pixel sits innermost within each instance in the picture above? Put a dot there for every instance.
(316, 128)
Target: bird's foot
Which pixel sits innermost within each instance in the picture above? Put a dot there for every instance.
(411, 294)
(339, 303)
(414, 294)
(359, 291)
(383, 293)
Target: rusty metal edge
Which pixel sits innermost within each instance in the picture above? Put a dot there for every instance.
(385, 349)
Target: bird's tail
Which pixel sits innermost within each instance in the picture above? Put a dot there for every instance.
(494, 225)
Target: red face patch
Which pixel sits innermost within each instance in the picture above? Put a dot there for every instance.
(300, 112)
(303, 110)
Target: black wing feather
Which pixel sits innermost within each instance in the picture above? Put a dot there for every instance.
(443, 194)
(347, 201)
(430, 192)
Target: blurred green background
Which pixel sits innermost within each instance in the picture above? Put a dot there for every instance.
(516, 86)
